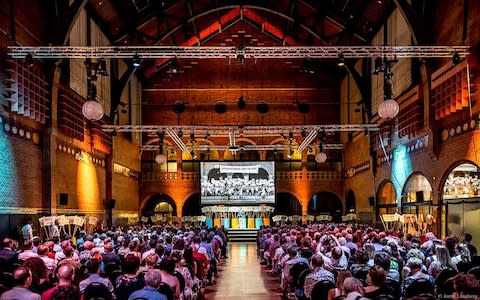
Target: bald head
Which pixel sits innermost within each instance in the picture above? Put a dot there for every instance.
(337, 252)
(65, 273)
(317, 260)
(22, 277)
(7, 243)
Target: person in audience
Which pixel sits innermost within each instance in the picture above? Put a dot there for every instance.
(131, 281)
(109, 256)
(27, 230)
(23, 280)
(376, 282)
(49, 263)
(167, 267)
(360, 268)
(354, 289)
(468, 240)
(466, 286)
(415, 266)
(93, 268)
(153, 278)
(7, 255)
(318, 274)
(65, 288)
(40, 282)
(293, 258)
(442, 262)
(27, 251)
(36, 242)
(339, 290)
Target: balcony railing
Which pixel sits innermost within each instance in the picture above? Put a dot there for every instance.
(280, 176)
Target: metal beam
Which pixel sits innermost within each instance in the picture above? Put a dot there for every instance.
(154, 52)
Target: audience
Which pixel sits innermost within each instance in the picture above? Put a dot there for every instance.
(23, 280)
(345, 261)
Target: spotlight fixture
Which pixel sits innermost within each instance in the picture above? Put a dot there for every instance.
(136, 63)
(341, 60)
(172, 151)
(29, 60)
(290, 136)
(456, 59)
(180, 133)
(322, 135)
(378, 67)
(174, 66)
(192, 137)
(307, 66)
(102, 67)
(304, 133)
(241, 103)
(114, 132)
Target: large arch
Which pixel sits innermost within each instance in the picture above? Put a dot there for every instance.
(460, 196)
(386, 198)
(148, 206)
(192, 206)
(287, 204)
(325, 203)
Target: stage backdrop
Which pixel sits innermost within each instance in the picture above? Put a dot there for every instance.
(237, 183)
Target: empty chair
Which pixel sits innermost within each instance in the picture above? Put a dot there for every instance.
(320, 290)
(96, 291)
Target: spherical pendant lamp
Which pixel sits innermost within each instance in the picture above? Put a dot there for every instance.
(92, 110)
(388, 109)
(160, 158)
(321, 157)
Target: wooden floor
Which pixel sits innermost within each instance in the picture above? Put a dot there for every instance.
(242, 276)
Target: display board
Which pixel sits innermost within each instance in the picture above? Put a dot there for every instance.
(237, 183)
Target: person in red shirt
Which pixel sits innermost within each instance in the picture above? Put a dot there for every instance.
(65, 275)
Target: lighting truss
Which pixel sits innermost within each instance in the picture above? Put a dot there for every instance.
(159, 52)
(277, 147)
(255, 131)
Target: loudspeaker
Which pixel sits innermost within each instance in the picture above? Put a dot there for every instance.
(371, 201)
(419, 195)
(63, 200)
(111, 203)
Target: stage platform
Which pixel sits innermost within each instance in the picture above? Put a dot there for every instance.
(242, 235)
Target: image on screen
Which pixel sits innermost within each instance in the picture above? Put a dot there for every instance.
(237, 183)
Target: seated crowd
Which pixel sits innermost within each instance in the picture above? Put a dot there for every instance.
(154, 262)
(356, 262)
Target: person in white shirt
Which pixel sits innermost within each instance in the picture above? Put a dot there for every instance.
(27, 252)
(49, 262)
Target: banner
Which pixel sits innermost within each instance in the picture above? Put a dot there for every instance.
(239, 169)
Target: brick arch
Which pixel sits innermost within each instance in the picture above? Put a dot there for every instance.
(380, 187)
(447, 172)
(188, 198)
(407, 181)
(294, 207)
(333, 201)
(153, 141)
(149, 202)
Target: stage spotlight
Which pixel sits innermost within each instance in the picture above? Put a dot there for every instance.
(192, 137)
(29, 60)
(304, 133)
(174, 66)
(114, 133)
(341, 60)
(103, 68)
(322, 135)
(193, 155)
(136, 63)
(456, 59)
(180, 133)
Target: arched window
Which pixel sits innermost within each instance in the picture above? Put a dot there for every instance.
(417, 189)
(386, 199)
(461, 199)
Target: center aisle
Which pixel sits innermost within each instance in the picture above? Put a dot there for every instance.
(242, 276)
